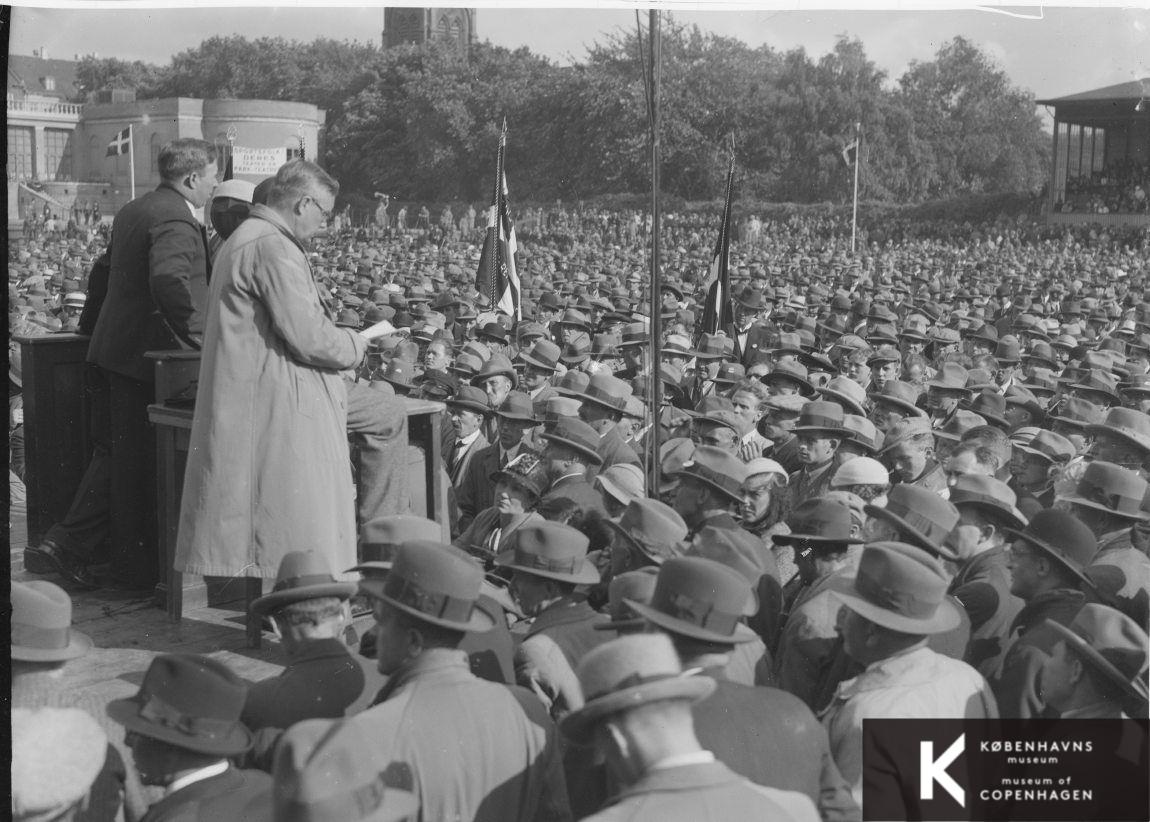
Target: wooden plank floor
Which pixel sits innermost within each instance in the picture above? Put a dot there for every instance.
(129, 631)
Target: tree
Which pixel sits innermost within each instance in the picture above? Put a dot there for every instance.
(983, 133)
(94, 74)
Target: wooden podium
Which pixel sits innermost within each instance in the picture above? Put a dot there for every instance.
(177, 594)
(57, 444)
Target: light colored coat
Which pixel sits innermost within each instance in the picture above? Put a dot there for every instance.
(268, 470)
(920, 684)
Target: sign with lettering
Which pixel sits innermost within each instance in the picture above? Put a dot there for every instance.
(263, 162)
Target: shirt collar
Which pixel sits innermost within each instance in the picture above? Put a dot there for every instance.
(470, 438)
(680, 760)
(197, 776)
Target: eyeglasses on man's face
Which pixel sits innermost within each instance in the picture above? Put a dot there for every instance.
(325, 213)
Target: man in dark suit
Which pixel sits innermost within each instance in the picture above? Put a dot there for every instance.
(157, 289)
(783, 746)
(322, 679)
(602, 407)
(750, 331)
(183, 726)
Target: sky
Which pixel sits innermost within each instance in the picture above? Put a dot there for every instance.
(1049, 50)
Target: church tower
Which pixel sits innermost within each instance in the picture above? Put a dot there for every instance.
(406, 25)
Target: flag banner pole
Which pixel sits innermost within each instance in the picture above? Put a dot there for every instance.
(855, 207)
(718, 311)
(131, 161)
(656, 278)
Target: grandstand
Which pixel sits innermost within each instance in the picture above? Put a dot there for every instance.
(1100, 170)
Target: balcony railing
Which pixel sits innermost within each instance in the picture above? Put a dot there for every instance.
(17, 106)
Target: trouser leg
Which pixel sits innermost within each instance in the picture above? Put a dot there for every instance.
(133, 482)
(378, 424)
(85, 528)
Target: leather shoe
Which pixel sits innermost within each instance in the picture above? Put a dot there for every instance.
(51, 557)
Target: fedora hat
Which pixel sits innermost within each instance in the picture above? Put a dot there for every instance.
(543, 354)
(1017, 395)
(627, 673)
(575, 318)
(496, 365)
(793, 372)
(606, 391)
(577, 435)
(700, 599)
(635, 334)
(1062, 536)
(1076, 412)
(923, 517)
(573, 384)
(820, 417)
(637, 585)
(550, 550)
(654, 527)
(819, 521)
(902, 395)
(1097, 381)
(991, 406)
(302, 575)
(623, 481)
(1107, 487)
(1111, 643)
(717, 469)
(862, 432)
(42, 624)
(904, 430)
(57, 753)
(518, 407)
(678, 346)
(951, 377)
(989, 494)
(492, 331)
(380, 538)
(752, 298)
(847, 393)
(730, 373)
(434, 583)
(1131, 426)
(715, 346)
(471, 398)
(900, 588)
(399, 372)
(576, 352)
(321, 775)
(188, 701)
(1054, 448)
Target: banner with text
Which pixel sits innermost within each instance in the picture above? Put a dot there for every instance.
(263, 162)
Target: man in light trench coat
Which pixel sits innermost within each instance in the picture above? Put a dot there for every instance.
(268, 466)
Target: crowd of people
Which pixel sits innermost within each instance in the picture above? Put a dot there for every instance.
(909, 482)
(1119, 188)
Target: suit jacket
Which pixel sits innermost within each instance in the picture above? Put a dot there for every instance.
(473, 749)
(758, 342)
(157, 284)
(689, 793)
(217, 798)
(1031, 641)
(615, 451)
(474, 491)
(458, 472)
(1122, 574)
(558, 638)
(785, 747)
(982, 585)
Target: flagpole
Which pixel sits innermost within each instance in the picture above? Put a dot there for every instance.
(656, 277)
(855, 208)
(131, 162)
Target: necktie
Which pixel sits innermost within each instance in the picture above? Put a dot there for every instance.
(457, 454)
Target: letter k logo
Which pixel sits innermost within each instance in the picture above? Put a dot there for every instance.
(933, 770)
